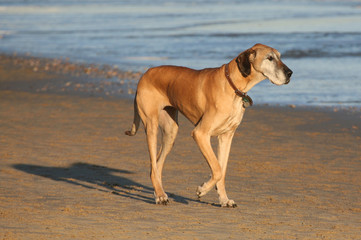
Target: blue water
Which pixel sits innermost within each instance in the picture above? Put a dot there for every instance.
(319, 40)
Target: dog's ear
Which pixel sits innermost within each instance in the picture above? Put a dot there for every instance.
(243, 62)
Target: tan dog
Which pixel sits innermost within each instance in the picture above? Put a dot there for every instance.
(213, 99)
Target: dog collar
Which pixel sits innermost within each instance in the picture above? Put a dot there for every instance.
(247, 100)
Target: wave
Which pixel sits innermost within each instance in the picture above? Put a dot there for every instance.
(316, 53)
(29, 10)
(146, 58)
(260, 34)
(293, 45)
(6, 33)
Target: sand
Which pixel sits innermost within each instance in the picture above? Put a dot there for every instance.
(67, 171)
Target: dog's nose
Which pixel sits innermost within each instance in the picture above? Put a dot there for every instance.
(289, 73)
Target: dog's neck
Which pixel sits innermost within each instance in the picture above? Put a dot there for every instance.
(244, 84)
(247, 100)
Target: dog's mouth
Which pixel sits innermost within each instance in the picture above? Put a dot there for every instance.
(279, 84)
(285, 82)
(287, 73)
(273, 82)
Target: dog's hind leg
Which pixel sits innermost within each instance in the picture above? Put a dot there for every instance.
(168, 122)
(151, 128)
(149, 113)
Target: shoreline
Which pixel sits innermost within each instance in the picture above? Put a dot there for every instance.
(67, 67)
(68, 77)
(68, 171)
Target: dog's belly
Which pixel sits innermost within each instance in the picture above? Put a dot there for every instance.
(185, 99)
(191, 111)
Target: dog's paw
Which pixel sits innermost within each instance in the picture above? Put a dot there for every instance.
(201, 191)
(129, 133)
(229, 204)
(162, 200)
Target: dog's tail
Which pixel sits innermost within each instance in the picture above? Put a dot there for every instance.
(136, 120)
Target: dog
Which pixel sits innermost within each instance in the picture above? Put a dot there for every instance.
(213, 99)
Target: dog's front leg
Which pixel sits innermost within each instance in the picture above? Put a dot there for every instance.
(203, 140)
(224, 146)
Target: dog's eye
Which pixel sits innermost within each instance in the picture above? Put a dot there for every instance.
(270, 58)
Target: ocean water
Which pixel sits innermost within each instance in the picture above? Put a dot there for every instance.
(319, 40)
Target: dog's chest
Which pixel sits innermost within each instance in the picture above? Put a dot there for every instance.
(236, 114)
(232, 117)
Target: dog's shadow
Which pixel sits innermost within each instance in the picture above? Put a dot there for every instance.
(99, 178)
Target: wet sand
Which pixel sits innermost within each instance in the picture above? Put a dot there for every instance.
(67, 170)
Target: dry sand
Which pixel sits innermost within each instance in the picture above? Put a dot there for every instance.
(67, 171)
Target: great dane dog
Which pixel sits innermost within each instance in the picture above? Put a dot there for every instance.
(213, 99)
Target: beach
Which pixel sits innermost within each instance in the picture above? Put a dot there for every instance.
(67, 170)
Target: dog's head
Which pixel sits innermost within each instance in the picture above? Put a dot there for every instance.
(266, 61)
